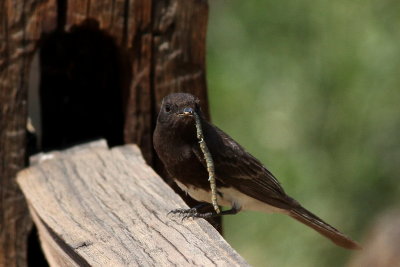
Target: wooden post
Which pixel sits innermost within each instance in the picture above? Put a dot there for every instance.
(145, 50)
(21, 24)
(96, 206)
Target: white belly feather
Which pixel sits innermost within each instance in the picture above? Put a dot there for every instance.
(230, 198)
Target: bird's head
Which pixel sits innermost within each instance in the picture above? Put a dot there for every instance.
(177, 110)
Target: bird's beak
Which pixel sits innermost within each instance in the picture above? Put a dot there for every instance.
(186, 112)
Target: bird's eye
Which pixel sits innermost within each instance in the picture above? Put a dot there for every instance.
(167, 108)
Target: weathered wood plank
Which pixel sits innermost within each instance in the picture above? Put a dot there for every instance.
(104, 207)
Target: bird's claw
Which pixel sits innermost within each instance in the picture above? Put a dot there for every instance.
(191, 213)
(182, 211)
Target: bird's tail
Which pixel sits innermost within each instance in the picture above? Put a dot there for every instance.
(304, 216)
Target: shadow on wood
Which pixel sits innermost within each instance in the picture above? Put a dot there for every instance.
(98, 206)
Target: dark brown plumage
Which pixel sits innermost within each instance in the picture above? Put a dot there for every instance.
(242, 181)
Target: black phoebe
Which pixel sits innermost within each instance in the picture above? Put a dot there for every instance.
(243, 183)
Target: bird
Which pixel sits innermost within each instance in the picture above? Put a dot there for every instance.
(242, 181)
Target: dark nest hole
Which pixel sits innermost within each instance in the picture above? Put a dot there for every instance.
(79, 97)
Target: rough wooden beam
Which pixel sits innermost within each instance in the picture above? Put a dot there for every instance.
(101, 207)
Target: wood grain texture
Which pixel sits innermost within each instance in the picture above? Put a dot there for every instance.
(179, 52)
(101, 207)
(21, 24)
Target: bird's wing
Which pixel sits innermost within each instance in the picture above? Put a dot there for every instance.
(237, 168)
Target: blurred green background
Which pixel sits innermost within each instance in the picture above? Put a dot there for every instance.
(311, 88)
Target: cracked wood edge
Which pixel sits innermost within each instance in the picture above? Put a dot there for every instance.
(102, 207)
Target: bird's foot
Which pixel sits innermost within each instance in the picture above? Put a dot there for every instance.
(194, 213)
(183, 211)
